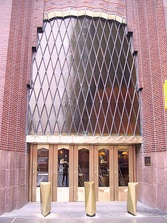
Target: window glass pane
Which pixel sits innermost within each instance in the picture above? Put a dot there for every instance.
(123, 167)
(42, 165)
(103, 156)
(84, 80)
(83, 166)
(63, 166)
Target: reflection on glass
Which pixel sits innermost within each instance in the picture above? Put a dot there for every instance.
(84, 79)
(103, 155)
(123, 167)
(63, 165)
(83, 167)
(42, 166)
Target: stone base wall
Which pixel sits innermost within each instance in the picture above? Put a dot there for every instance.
(14, 180)
(153, 179)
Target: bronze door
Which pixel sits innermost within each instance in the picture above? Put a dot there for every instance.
(67, 167)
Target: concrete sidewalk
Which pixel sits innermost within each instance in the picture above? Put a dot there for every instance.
(74, 212)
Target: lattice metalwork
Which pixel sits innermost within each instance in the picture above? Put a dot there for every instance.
(84, 80)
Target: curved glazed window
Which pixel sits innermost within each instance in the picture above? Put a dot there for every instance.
(84, 80)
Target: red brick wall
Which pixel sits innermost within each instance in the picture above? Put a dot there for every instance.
(5, 13)
(18, 17)
(37, 19)
(147, 21)
(15, 76)
(18, 36)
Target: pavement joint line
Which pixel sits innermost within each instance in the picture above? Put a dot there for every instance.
(13, 220)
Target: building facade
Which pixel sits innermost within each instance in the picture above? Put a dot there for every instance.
(82, 99)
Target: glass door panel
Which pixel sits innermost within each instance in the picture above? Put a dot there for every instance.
(42, 165)
(123, 167)
(83, 170)
(123, 158)
(103, 158)
(104, 173)
(63, 175)
(83, 166)
(42, 169)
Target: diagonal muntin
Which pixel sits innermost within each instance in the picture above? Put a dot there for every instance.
(81, 92)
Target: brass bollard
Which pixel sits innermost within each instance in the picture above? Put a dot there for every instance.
(90, 199)
(45, 197)
(132, 197)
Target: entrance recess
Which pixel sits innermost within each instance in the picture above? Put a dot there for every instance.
(67, 167)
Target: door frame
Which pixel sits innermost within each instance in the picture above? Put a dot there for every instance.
(33, 169)
(54, 170)
(114, 189)
(121, 191)
(111, 188)
(75, 170)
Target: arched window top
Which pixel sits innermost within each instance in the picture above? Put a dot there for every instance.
(80, 13)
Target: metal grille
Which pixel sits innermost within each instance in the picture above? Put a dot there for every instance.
(84, 80)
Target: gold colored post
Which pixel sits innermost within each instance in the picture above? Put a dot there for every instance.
(45, 197)
(90, 199)
(132, 197)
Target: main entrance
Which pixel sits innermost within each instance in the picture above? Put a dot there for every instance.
(67, 167)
